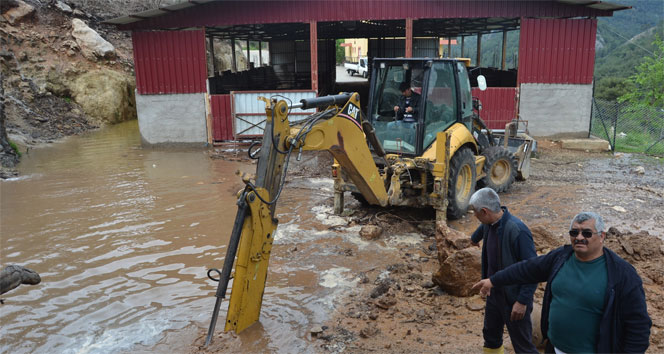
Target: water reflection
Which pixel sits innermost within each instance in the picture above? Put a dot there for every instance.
(118, 233)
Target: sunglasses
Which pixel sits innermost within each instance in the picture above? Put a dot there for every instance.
(587, 233)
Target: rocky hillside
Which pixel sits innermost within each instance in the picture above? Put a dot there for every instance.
(63, 73)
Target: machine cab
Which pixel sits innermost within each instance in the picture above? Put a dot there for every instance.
(437, 92)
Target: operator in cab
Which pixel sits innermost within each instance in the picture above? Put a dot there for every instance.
(408, 104)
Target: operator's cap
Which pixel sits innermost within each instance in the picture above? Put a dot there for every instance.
(404, 86)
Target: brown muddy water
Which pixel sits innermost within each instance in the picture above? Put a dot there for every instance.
(122, 237)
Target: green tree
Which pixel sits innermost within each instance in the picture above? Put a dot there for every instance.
(341, 53)
(610, 88)
(648, 80)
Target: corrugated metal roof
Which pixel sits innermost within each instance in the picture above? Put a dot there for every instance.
(600, 5)
(140, 16)
(219, 13)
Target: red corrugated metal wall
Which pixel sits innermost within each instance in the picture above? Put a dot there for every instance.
(170, 61)
(229, 13)
(557, 51)
(222, 117)
(498, 105)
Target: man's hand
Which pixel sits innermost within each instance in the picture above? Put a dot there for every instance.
(476, 244)
(396, 108)
(485, 286)
(409, 109)
(518, 311)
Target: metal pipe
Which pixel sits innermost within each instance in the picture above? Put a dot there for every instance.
(243, 209)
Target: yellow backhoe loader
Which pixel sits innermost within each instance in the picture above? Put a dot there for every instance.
(430, 156)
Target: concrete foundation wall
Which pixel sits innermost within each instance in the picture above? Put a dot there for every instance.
(556, 110)
(176, 118)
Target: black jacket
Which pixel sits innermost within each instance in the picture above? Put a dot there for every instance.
(516, 244)
(414, 102)
(625, 324)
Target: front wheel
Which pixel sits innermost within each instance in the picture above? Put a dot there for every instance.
(365, 74)
(462, 183)
(500, 169)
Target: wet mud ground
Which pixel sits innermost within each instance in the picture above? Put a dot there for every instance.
(392, 306)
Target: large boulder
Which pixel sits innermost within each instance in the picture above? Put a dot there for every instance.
(93, 46)
(19, 12)
(105, 95)
(460, 261)
(459, 272)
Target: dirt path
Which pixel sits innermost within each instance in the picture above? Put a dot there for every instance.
(396, 309)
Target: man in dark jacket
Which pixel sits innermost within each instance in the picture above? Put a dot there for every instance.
(409, 104)
(593, 301)
(507, 240)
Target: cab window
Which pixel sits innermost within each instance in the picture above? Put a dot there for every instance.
(440, 108)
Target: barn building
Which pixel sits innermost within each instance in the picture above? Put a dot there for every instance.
(182, 97)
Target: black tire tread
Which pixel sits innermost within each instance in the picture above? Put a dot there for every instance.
(462, 156)
(494, 154)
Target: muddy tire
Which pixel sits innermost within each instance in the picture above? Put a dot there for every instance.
(462, 183)
(500, 168)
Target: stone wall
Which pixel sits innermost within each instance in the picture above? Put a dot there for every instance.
(556, 110)
(178, 118)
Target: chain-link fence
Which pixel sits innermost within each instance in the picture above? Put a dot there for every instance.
(629, 128)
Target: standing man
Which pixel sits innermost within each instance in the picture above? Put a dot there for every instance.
(408, 104)
(593, 301)
(507, 240)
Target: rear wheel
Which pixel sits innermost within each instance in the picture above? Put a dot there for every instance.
(462, 183)
(500, 169)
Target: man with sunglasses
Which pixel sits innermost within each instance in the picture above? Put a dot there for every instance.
(507, 240)
(593, 301)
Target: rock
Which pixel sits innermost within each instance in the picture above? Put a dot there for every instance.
(459, 272)
(428, 284)
(79, 13)
(93, 46)
(21, 12)
(316, 330)
(63, 7)
(105, 95)
(619, 208)
(14, 275)
(446, 237)
(381, 289)
(386, 302)
(371, 232)
(70, 44)
(626, 246)
(475, 303)
(639, 170)
(369, 331)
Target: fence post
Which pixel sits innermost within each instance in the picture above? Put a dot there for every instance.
(601, 119)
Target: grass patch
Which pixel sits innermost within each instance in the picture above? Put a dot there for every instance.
(15, 148)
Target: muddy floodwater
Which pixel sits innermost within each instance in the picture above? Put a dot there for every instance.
(122, 237)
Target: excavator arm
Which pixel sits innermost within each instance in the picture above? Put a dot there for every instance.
(338, 129)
